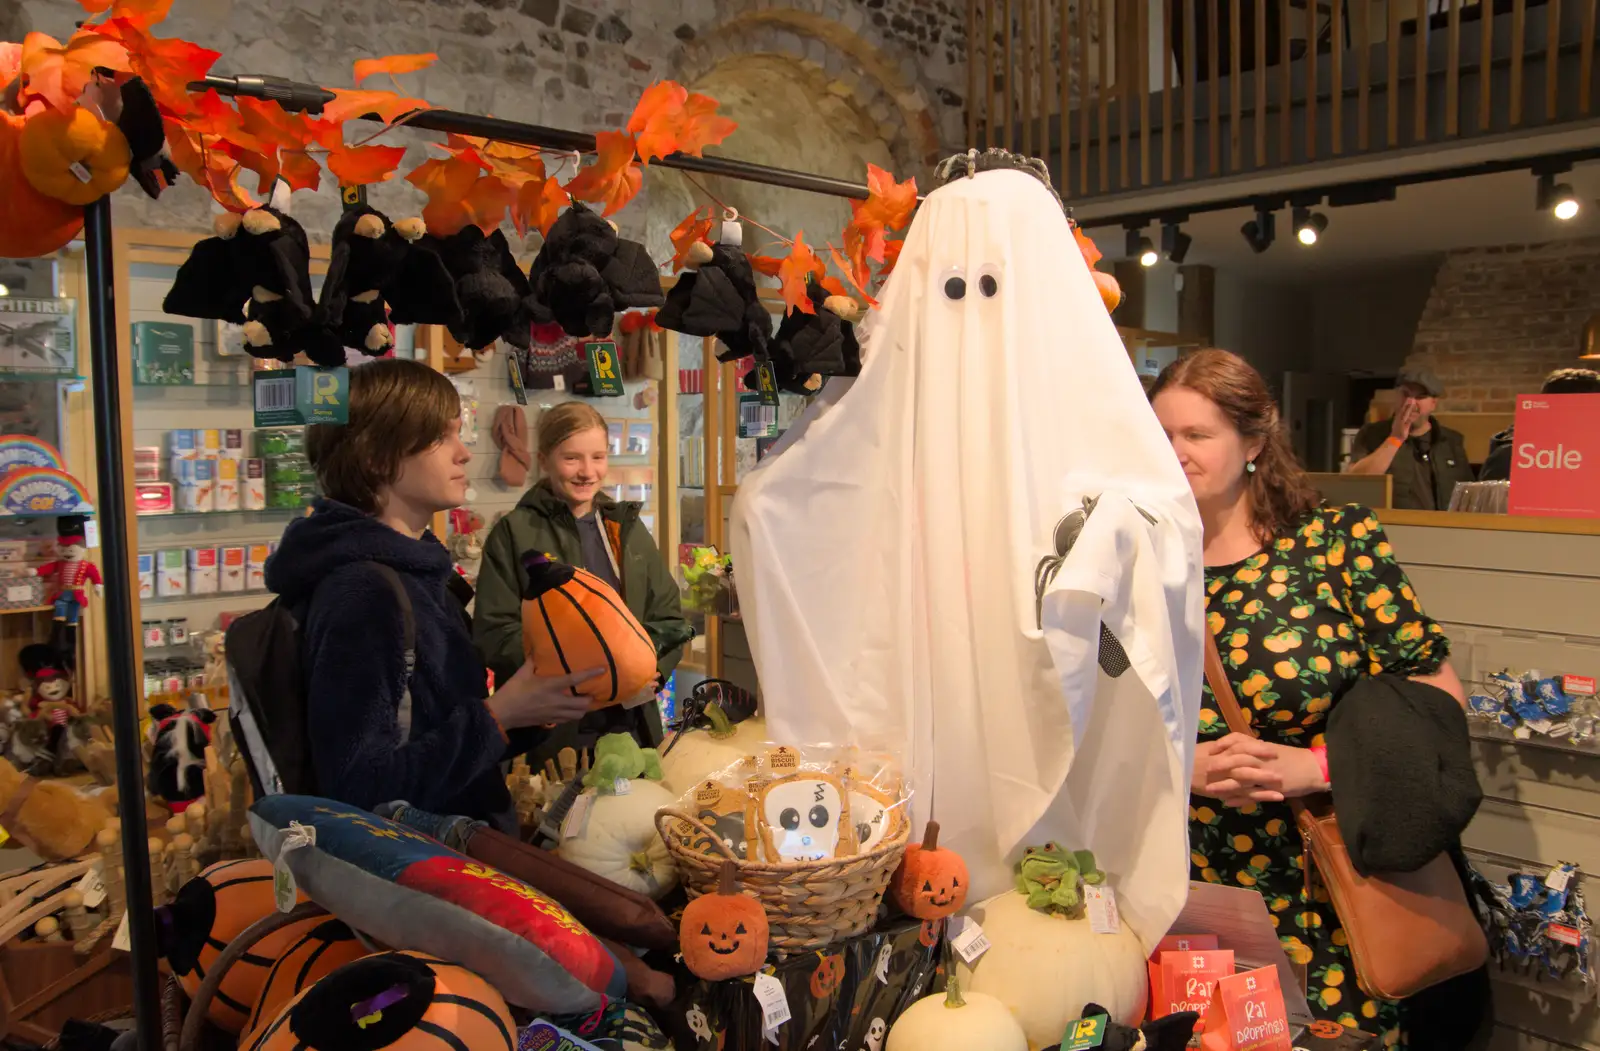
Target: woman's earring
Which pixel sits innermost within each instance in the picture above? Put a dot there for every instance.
(1250, 467)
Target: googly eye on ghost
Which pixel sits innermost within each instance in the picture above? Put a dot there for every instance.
(959, 285)
(801, 817)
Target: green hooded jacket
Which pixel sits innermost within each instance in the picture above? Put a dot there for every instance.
(541, 521)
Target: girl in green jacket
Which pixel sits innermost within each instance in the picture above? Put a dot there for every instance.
(566, 515)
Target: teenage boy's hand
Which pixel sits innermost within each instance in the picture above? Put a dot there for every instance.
(528, 699)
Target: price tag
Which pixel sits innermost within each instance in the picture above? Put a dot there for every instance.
(971, 942)
(577, 818)
(514, 374)
(605, 381)
(1558, 879)
(121, 940)
(1084, 1033)
(284, 889)
(4, 836)
(91, 534)
(1102, 908)
(1560, 932)
(766, 382)
(92, 887)
(774, 1004)
(1578, 685)
(15, 593)
(622, 786)
(80, 172)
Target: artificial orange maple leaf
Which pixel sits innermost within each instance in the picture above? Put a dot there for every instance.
(146, 12)
(485, 202)
(58, 73)
(840, 262)
(696, 227)
(166, 65)
(446, 182)
(393, 65)
(300, 170)
(270, 122)
(702, 126)
(796, 269)
(350, 103)
(538, 206)
(888, 203)
(891, 256)
(207, 166)
(615, 177)
(1086, 245)
(362, 165)
(765, 264)
(655, 119)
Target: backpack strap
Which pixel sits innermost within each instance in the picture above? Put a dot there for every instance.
(408, 637)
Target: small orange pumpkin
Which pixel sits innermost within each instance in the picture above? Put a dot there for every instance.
(34, 224)
(75, 156)
(826, 978)
(930, 883)
(725, 934)
(572, 621)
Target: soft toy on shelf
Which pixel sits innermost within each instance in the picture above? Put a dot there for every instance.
(573, 620)
(931, 883)
(35, 224)
(72, 579)
(618, 840)
(74, 155)
(1170, 1033)
(725, 934)
(51, 818)
(718, 297)
(1052, 878)
(376, 275)
(585, 274)
(177, 758)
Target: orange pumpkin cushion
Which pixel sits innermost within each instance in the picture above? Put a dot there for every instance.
(34, 224)
(75, 156)
(572, 620)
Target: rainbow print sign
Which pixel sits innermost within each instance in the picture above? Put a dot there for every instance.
(24, 450)
(42, 491)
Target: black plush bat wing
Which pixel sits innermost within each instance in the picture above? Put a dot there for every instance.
(820, 343)
(634, 278)
(421, 291)
(335, 283)
(208, 284)
(704, 302)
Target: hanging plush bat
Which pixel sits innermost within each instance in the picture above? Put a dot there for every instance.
(376, 275)
(810, 347)
(1169, 1033)
(718, 298)
(585, 274)
(256, 272)
(127, 102)
(490, 288)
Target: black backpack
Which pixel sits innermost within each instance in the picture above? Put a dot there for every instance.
(267, 686)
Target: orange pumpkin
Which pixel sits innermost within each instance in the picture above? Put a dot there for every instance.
(75, 156)
(826, 978)
(34, 224)
(323, 949)
(725, 934)
(573, 621)
(209, 912)
(392, 1001)
(930, 883)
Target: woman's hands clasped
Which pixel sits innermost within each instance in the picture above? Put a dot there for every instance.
(1239, 769)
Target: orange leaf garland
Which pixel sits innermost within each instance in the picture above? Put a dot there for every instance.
(614, 179)
(301, 170)
(145, 12)
(889, 204)
(696, 227)
(393, 65)
(836, 288)
(361, 165)
(350, 103)
(702, 126)
(800, 264)
(58, 72)
(891, 256)
(166, 65)
(539, 205)
(765, 264)
(1086, 245)
(669, 120)
(447, 182)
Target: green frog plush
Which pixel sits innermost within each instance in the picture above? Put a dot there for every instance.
(1050, 877)
(618, 756)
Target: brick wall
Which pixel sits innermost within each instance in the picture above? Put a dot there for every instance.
(1499, 319)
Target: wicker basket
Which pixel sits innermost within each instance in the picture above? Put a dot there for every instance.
(809, 904)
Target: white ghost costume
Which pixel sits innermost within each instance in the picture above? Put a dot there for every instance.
(887, 552)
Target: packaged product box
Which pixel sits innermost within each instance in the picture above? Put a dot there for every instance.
(253, 485)
(197, 485)
(203, 571)
(1187, 981)
(163, 353)
(233, 444)
(227, 497)
(208, 442)
(147, 576)
(172, 572)
(181, 445)
(147, 464)
(232, 569)
(13, 550)
(255, 572)
(152, 498)
(20, 589)
(280, 441)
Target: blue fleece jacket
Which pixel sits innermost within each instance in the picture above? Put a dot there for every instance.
(355, 660)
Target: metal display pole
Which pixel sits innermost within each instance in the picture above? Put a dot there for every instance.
(120, 655)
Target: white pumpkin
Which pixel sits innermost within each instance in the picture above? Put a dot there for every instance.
(980, 1022)
(1044, 968)
(699, 754)
(619, 839)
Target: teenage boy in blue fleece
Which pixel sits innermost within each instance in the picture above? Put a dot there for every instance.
(397, 462)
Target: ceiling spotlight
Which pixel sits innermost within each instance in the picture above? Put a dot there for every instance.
(1261, 230)
(1555, 197)
(4, 291)
(1175, 243)
(1137, 246)
(1147, 252)
(1308, 225)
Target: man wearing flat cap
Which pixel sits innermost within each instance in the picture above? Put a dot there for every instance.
(1425, 458)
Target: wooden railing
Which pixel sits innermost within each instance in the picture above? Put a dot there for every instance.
(1125, 94)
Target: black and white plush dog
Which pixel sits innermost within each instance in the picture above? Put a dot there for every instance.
(177, 760)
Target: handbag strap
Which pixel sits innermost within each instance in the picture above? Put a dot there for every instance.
(1222, 690)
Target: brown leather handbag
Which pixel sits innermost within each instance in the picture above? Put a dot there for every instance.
(1407, 931)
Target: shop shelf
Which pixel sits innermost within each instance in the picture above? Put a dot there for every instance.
(270, 512)
(1494, 733)
(22, 515)
(40, 377)
(26, 609)
(240, 597)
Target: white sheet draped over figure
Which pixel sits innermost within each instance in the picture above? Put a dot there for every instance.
(887, 554)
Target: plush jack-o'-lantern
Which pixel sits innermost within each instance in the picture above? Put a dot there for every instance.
(930, 883)
(399, 1001)
(34, 224)
(73, 156)
(826, 978)
(572, 621)
(724, 935)
(320, 951)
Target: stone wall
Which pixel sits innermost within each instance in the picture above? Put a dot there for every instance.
(876, 80)
(1499, 319)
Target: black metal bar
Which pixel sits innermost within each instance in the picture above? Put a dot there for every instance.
(310, 97)
(121, 659)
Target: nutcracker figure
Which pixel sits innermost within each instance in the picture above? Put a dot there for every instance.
(71, 577)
